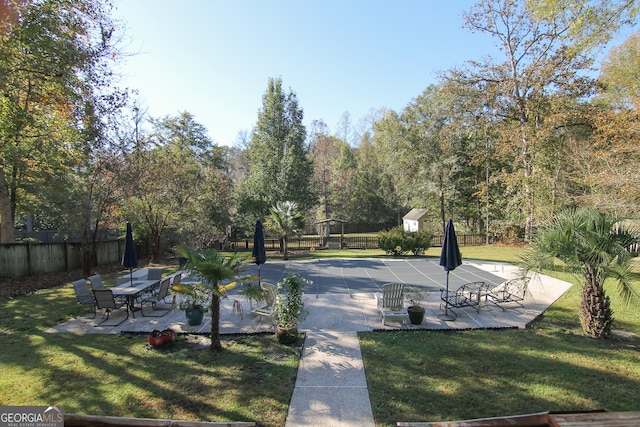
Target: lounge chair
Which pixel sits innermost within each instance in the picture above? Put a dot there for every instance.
(467, 295)
(155, 298)
(96, 282)
(83, 293)
(105, 299)
(270, 292)
(510, 291)
(391, 302)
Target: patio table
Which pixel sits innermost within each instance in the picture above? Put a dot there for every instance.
(131, 290)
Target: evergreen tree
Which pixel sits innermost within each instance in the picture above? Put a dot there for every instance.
(277, 158)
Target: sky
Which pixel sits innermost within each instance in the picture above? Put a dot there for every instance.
(214, 58)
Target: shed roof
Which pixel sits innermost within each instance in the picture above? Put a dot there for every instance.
(415, 214)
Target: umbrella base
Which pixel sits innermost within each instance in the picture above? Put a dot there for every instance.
(447, 317)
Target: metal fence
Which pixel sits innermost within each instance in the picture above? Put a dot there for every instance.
(337, 242)
(20, 259)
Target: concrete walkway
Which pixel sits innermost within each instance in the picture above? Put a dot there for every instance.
(331, 388)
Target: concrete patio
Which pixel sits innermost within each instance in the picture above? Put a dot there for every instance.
(331, 387)
(349, 307)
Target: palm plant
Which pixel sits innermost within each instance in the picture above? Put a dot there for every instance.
(285, 220)
(596, 246)
(211, 268)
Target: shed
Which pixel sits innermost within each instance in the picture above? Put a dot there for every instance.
(414, 220)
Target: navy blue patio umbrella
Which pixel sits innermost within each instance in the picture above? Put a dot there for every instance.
(129, 259)
(259, 253)
(450, 258)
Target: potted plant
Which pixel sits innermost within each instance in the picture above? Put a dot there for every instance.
(288, 310)
(161, 338)
(194, 301)
(416, 310)
(211, 269)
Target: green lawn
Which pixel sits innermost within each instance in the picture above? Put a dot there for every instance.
(422, 375)
(436, 376)
(120, 375)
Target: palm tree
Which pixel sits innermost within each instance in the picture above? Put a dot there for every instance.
(211, 268)
(285, 220)
(597, 247)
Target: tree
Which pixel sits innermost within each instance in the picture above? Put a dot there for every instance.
(620, 75)
(324, 151)
(546, 52)
(285, 220)
(53, 73)
(279, 166)
(211, 268)
(595, 244)
(180, 184)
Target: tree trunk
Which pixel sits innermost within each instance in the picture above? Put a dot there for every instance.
(6, 217)
(285, 248)
(596, 315)
(216, 344)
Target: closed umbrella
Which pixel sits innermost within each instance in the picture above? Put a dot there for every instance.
(259, 252)
(129, 259)
(450, 258)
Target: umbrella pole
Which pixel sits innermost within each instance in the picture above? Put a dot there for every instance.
(446, 316)
(131, 275)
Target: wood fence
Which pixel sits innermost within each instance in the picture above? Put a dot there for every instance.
(20, 259)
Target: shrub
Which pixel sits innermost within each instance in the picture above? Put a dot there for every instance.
(398, 242)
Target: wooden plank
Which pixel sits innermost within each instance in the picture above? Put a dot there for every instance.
(596, 419)
(528, 420)
(74, 420)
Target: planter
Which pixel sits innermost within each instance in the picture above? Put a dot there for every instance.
(286, 335)
(194, 315)
(161, 338)
(416, 314)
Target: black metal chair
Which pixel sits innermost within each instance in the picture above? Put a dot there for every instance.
(510, 291)
(467, 295)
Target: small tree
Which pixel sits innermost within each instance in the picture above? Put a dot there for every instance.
(285, 220)
(597, 246)
(212, 268)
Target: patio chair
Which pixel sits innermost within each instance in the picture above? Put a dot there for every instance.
(467, 295)
(270, 292)
(154, 274)
(105, 299)
(391, 302)
(155, 298)
(96, 282)
(83, 293)
(509, 291)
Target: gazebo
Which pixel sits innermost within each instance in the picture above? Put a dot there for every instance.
(325, 227)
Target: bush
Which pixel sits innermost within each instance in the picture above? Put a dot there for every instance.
(398, 242)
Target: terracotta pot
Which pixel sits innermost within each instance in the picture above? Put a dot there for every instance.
(161, 338)
(286, 335)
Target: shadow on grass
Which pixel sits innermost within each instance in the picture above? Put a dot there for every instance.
(252, 379)
(436, 376)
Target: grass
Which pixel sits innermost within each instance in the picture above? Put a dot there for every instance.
(412, 375)
(121, 375)
(447, 375)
